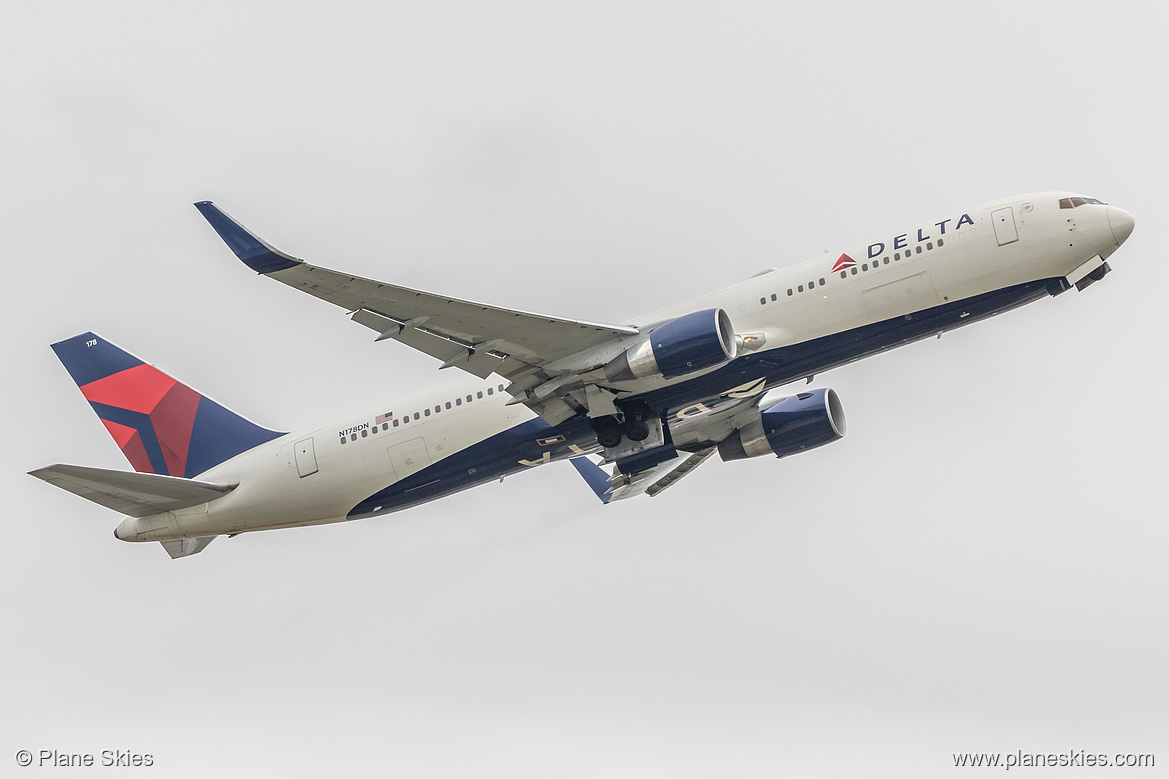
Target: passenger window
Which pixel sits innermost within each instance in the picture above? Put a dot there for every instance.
(844, 274)
(773, 298)
(929, 245)
(469, 398)
(416, 415)
(395, 423)
(342, 440)
(821, 282)
(801, 288)
(373, 430)
(385, 425)
(762, 301)
(448, 404)
(865, 266)
(789, 292)
(491, 390)
(437, 409)
(854, 271)
(811, 285)
(426, 411)
(479, 394)
(917, 249)
(897, 257)
(886, 260)
(941, 242)
(365, 434)
(353, 436)
(458, 401)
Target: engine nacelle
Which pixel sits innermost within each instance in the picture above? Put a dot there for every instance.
(789, 426)
(683, 345)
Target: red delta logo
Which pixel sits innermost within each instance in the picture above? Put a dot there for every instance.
(143, 408)
(844, 262)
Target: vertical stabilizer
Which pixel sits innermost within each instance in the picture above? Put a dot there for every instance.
(161, 425)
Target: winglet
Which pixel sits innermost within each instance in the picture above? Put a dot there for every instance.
(594, 476)
(256, 254)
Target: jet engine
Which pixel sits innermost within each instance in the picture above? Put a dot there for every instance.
(683, 345)
(788, 426)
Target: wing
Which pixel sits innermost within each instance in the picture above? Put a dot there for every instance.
(617, 486)
(477, 338)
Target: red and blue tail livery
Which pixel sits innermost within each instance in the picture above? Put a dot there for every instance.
(161, 425)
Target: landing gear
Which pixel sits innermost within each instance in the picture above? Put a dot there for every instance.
(608, 431)
(1100, 272)
(636, 431)
(633, 425)
(1092, 277)
(636, 417)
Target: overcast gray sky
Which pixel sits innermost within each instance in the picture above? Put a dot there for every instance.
(979, 566)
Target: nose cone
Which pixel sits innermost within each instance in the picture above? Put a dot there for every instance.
(1121, 222)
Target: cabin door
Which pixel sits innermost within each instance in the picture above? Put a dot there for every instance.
(306, 457)
(1004, 225)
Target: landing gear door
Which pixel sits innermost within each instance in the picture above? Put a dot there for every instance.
(1004, 225)
(306, 457)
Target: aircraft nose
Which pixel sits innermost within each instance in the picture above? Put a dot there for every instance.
(1121, 222)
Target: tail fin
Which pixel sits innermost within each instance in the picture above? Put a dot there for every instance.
(161, 425)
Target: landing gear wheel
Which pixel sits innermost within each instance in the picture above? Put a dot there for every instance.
(636, 431)
(608, 432)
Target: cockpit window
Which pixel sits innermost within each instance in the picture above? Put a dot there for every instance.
(1073, 202)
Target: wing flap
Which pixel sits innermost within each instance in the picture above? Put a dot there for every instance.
(477, 359)
(673, 476)
(650, 482)
(133, 494)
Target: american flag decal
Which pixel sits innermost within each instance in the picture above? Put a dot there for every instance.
(384, 418)
(549, 441)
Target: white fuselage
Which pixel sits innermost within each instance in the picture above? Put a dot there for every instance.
(287, 483)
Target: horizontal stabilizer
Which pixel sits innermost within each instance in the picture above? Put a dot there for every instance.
(133, 494)
(185, 547)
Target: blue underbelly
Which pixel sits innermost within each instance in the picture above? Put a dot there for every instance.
(536, 442)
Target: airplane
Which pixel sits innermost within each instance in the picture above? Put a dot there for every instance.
(634, 407)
